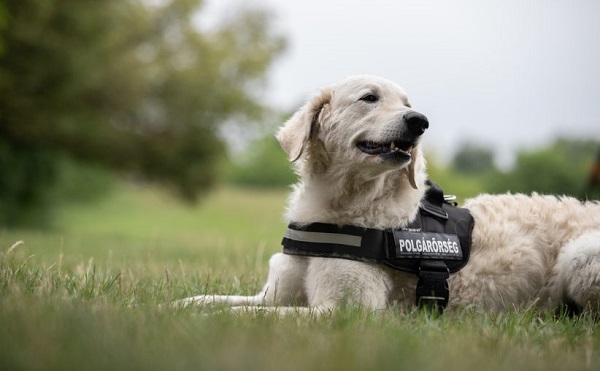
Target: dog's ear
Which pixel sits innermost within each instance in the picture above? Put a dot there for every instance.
(303, 126)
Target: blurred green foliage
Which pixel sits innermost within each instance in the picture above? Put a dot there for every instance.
(264, 165)
(473, 159)
(25, 184)
(130, 85)
(3, 23)
(38, 179)
(563, 168)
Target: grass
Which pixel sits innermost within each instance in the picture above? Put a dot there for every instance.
(86, 295)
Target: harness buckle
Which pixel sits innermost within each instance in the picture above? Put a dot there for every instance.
(432, 288)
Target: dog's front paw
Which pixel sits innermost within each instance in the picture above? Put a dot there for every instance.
(200, 300)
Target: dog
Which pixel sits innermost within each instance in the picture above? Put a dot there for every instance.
(355, 146)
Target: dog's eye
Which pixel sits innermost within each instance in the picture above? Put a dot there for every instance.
(371, 98)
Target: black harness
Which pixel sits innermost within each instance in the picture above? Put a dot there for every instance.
(435, 244)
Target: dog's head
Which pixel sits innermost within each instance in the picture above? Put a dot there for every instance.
(362, 122)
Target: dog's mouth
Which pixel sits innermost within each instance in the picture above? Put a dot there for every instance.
(399, 147)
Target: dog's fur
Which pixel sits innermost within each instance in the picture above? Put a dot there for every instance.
(528, 251)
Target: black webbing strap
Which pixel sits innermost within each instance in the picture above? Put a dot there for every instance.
(334, 241)
(432, 288)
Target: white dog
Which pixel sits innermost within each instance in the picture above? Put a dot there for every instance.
(355, 146)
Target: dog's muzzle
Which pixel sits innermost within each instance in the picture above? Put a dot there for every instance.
(412, 126)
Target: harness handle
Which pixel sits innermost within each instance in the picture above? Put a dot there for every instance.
(433, 200)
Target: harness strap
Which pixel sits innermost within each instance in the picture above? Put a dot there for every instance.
(434, 245)
(348, 242)
(432, 288)
(330, 240)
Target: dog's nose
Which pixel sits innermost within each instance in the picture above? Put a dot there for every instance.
(416, 122)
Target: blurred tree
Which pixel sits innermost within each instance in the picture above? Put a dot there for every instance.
(3, 22)
(461, 185)
(473, 159)
(265, 165)
(592, 189)
(561, 168)
(130, 84)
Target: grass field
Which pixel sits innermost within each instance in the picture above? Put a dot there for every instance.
(86, 295)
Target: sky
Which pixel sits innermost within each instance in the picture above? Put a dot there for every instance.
(505, 75)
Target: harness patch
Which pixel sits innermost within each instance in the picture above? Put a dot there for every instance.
(425, 245)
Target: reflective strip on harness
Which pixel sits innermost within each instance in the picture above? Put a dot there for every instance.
(321, 237)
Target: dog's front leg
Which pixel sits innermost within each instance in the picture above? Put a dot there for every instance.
(284, 287)
(332, 283)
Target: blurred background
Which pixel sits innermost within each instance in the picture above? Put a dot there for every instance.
(138, 166)
(104, 101)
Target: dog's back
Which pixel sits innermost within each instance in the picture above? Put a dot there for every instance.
(525, 247)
